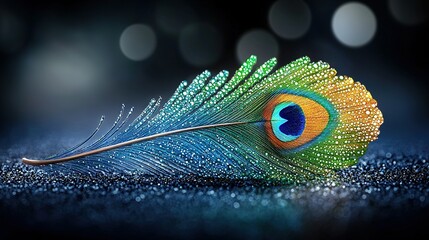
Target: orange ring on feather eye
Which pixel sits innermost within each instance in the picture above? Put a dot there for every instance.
(316, 120)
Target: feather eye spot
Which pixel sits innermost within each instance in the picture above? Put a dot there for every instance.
(288, 121)
(292, 121)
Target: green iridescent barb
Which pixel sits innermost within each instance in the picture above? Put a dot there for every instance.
(297, 123)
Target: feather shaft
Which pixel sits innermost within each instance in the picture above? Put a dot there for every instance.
(38, 162)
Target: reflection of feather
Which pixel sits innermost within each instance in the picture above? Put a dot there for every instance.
(297, 123)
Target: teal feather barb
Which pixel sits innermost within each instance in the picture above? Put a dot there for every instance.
(298, 123)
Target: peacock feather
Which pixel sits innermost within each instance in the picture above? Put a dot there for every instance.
(297, 123)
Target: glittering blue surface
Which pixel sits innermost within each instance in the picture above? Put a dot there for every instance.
(386, 194)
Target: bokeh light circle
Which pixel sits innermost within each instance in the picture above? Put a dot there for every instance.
(200, 44)
(290, 19)
(173, 16)
(56, 76)
(409, 12)
(12, 32)
(257, 42)
(354, 24)
(138, 42)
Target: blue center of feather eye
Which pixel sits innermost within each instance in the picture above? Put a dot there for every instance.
(287, 121)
